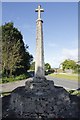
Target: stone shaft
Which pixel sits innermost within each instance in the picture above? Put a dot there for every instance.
(39, 62)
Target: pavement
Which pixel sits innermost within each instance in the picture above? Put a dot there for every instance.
(67, 84)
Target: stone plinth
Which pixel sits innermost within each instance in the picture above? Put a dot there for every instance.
(41, 99)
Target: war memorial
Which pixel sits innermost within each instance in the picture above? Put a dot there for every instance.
(40, 98)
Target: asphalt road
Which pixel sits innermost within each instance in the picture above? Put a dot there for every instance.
(67, 84)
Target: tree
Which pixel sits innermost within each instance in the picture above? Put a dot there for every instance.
(47, 66)
(32, 67)
(69, 64)
(15, 57)
(0, 51)
(77, 69)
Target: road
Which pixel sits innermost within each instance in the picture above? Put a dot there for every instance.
(67, 84)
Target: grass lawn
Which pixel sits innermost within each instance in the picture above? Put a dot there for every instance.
(66, 76)
(74, 92)
(5, 93)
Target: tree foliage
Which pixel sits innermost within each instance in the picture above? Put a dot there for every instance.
(15, 57)
(77, 69)
(69, 64)
(32, 67)
(47, 66)
(0, 50)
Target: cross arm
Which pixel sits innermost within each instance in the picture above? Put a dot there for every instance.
(42, 10)
(36, 10)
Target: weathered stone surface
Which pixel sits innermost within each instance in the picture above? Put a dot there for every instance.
(43, 100)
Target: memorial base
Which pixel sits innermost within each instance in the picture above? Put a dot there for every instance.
(41, 99)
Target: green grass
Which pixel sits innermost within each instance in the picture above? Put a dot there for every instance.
(74, 92)
(66, 76)
(6, 93)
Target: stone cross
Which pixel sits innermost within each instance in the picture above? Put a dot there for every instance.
(39, 60)
(39, 10)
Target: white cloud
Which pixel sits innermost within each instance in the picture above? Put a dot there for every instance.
(65, 54)
(70, 53)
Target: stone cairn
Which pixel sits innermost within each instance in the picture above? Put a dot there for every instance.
(39, 98)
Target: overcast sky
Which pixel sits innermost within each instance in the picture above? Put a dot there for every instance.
(60, 27)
